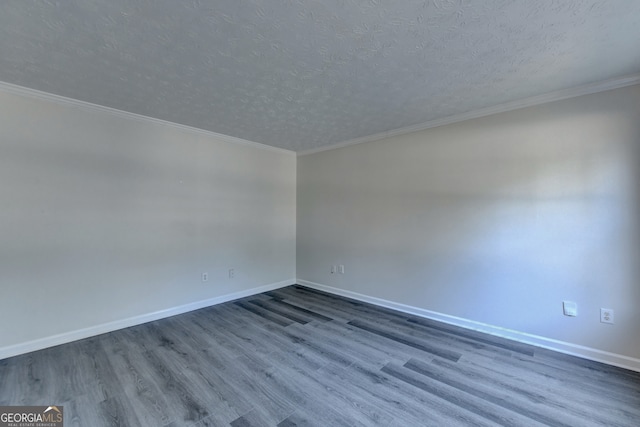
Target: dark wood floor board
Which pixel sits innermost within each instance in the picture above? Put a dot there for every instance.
(284, 312)
(315, 293)
(250, 336)
(253, 418)
(186, 400)
(222, 343)
(474, 335)
(284, 389)
(316, 346)
(183, 330)
(338, 307)
(302, 358)
(297, 356)
(458, 339)
(394, 350)
(316, 305)
(353, 348)
(267, 406)
(611, 375)
(407, 402)
(536, 407)
(11, 381)
(38, 378)
(351, 306)
(95, 369)
(141, 338)
(150, 406)
(337, 395)
(628, 395)
(217, 384)
(307, 390)
(222, 403)
(545, 394)
(399, 321)
(593, 366)
(305, 418)
(453, 342)
(335, 315)
(463, 401)
(84, 411)
(408, 340)
(298, 309)
(116, 411)
(133, 372)
(266, 314)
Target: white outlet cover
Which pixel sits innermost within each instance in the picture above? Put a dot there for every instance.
(607, 315)
(570, 308)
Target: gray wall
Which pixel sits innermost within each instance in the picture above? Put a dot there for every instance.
(496, 220)
(105, 218)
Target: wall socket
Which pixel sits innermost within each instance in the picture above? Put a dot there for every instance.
(607, 315)
(341, 269)
(232, 273)
(205, 277)
(334, 269)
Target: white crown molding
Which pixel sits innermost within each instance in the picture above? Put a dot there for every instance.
(33, 93)
(584, 352)
(42, 343)
(559, 95)
(483, 112)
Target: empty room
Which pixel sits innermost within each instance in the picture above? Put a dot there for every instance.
(319, 213)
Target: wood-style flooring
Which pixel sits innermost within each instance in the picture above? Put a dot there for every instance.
(300, 357)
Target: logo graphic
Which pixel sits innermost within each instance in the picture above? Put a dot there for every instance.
(31, 416)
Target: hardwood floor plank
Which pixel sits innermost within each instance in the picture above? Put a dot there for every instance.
(281, 312)
(264, 313)
(546, 393)
(463, 401)
(186, 402)
(474, 336)
(410, 406)
(116, 412)
(628, 396)
(403, 339)
(497, 395)
(309, 313)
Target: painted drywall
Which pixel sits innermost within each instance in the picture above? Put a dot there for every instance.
(496, 220)
(105, 218)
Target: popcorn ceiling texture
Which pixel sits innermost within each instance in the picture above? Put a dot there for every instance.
(302, 74)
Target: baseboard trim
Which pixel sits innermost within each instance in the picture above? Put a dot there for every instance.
(42, 343)
(589, 353)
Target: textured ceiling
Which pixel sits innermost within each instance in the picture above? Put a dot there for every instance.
(300, 74)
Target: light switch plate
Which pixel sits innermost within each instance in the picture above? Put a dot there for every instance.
(570, 308)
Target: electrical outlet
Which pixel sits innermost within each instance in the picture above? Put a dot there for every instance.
(341, 269)
(232, 273)
(607, 315)
(205, 277)
(333, 269)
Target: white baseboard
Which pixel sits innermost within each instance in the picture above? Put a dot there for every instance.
(536, 340)
(79, 334)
